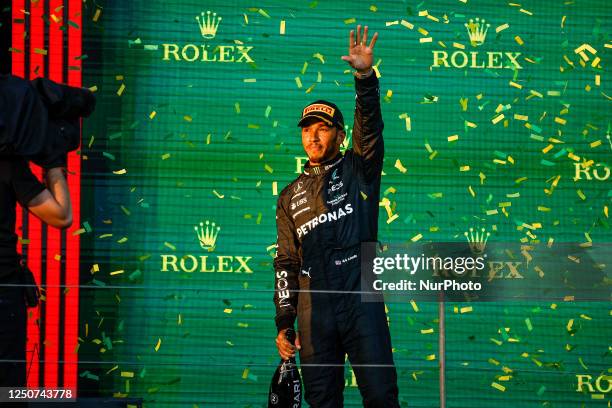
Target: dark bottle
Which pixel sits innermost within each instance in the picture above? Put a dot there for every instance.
(286, 386)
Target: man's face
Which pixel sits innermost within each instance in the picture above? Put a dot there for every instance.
(321, 141)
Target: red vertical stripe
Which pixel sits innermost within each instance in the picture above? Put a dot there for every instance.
(51, 343)
(18, 42)
(18, 58)
(74, 182)
(36, 36)
(18, 68)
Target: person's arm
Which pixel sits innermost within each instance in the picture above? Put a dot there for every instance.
(53, 205)
(286, 267)
(368, 124)
(286, 284)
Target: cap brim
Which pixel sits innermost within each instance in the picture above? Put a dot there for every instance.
(309, 119)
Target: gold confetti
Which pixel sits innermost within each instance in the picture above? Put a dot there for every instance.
(298, 82)
(121, 89)
(399, 166)
(392, 218)
(427, 331)
(406, 24)
(159, 342)
(97, 15)
(453, 138)
(518, 40)
(282, 27)
(415, 307)
(416, 237)
(498, 386)
(501, 28)
(498, 118)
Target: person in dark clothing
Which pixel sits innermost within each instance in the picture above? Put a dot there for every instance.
(322, 218)
(52, 205)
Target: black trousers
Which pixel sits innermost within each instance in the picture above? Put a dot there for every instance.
(338, 323)
(12, 337)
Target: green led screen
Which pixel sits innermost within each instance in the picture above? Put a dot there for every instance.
(497, 115)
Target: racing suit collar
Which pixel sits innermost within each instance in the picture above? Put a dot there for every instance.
(324, 167)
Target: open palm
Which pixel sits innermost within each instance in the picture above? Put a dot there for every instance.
(361, 55)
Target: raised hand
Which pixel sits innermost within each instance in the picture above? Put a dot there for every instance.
(361, 55)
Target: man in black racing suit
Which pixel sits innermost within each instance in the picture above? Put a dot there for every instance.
(322, 218)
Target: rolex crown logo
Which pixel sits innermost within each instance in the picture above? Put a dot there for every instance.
(477, 240)
(477, 31)
(207, 235)
(209, 23)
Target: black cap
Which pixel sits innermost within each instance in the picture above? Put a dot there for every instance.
(322, 110)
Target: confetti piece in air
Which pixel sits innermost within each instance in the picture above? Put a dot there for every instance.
(122, 171)
(427, 331)
(406, 24)
(453, 138)
(97, 15)
(121, 89)
(498, 386)
(416, 237)
(350, 21)
(218, 195)
(158, 345)
(298, 82)
(399, 166)
(502, 27)
(497, 119)
(282, 27)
